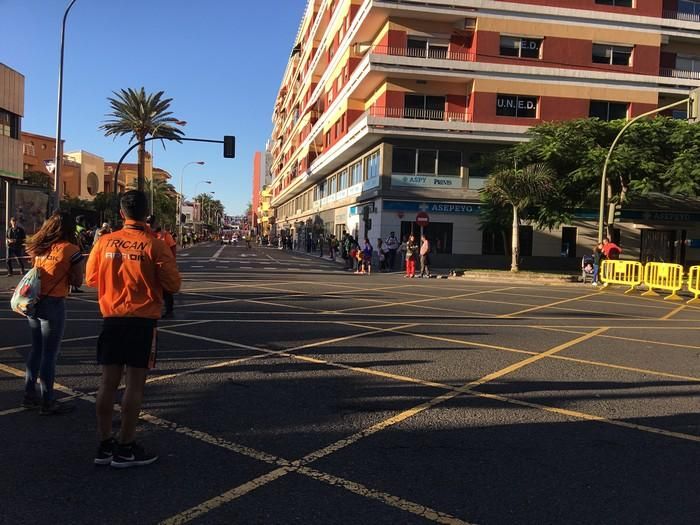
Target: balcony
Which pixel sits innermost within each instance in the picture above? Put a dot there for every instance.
(681, 15)
(679, 73)
(442, 53)
(419, 114)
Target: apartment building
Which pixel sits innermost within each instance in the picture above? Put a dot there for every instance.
(387, 108)
(11, 113)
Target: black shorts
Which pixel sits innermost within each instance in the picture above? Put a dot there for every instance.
(126, 341)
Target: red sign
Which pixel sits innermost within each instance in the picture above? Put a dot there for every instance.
(422, 219)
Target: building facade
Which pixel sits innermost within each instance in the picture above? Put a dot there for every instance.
(390, 107)
(11, 113)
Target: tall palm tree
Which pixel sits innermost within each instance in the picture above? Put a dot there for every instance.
(519, 189)
(140, 114)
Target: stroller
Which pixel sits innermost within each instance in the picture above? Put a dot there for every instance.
(587, 269)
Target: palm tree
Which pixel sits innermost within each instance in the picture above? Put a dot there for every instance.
(519, 188)
(136, 113)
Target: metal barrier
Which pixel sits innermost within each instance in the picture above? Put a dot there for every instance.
(628, 273)
(664, 276)
(694, 284)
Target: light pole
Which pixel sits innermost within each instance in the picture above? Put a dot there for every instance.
(153, 163)
(182, 197)
(604, 177)
(58, 157)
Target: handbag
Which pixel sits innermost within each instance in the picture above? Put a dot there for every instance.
(27, 293)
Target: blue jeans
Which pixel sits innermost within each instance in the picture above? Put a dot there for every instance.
(47, 331)
(596, 271)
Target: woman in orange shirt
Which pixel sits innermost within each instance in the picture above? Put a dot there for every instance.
(59, 260)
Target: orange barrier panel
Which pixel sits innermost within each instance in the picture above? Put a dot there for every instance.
(627, 273)
(664, 276)
(694, 284)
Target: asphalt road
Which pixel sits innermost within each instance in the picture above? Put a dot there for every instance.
(290, 391)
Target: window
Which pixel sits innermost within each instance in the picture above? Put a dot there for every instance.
(422, 48)
(424, 107)
(322, 190)
(449, 163)
(9, 124)
(438, 233)
(403, 160)
(427, 158)
(343, 180)
(356, 173)
(328, 138)
(516, 106)
(93, 183)
(568, 241)
(494, 242)
(617, 3)
(610, 54)
(332, 185)
(28, 149)
(688, 63)
(373, 165)
(688, 7)
(608, 110)
(522, 47)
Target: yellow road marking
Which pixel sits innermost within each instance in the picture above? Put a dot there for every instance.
(544, 306)
(633, 339)
(600, 364)
(263, 351)
(228, 496)
(673, 312)
(417, 301)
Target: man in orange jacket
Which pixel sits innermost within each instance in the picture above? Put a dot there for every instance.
(130, 269)
(159, 233)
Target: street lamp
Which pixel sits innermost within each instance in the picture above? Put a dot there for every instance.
(58, 157)
(182, 196)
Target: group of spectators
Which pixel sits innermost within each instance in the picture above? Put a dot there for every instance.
(390, 253)
(135, 272)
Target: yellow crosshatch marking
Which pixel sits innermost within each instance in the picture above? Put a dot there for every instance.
(374, 324)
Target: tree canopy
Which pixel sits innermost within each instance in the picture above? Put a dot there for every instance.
(655, 155)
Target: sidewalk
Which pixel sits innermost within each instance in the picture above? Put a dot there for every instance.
(554, 278)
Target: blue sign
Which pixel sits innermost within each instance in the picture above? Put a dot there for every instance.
(459, 208)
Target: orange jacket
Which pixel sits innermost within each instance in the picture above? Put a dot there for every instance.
(130, 269)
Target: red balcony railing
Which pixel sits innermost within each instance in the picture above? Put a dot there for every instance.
(428, 54)
(679, 73)
(419, 114)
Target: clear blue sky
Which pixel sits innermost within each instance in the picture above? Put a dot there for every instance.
(221, 62)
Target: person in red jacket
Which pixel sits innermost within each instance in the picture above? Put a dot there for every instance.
(130, 269)
(610, 249)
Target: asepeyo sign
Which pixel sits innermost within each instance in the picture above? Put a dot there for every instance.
(426, 181)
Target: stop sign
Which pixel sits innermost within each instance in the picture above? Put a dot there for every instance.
(422, 219)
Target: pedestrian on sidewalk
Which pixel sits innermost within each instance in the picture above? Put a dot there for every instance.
(598, 259)
(59, 261)
(402, 252)
(411, 253)
(130, 269)
(367, 257)
(424, 256)
(392, 245)
(16, 236)
(382, 254)
(320, 245)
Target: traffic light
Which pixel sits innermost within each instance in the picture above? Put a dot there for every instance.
(694, 106)
(229, 147)
(618, 212)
